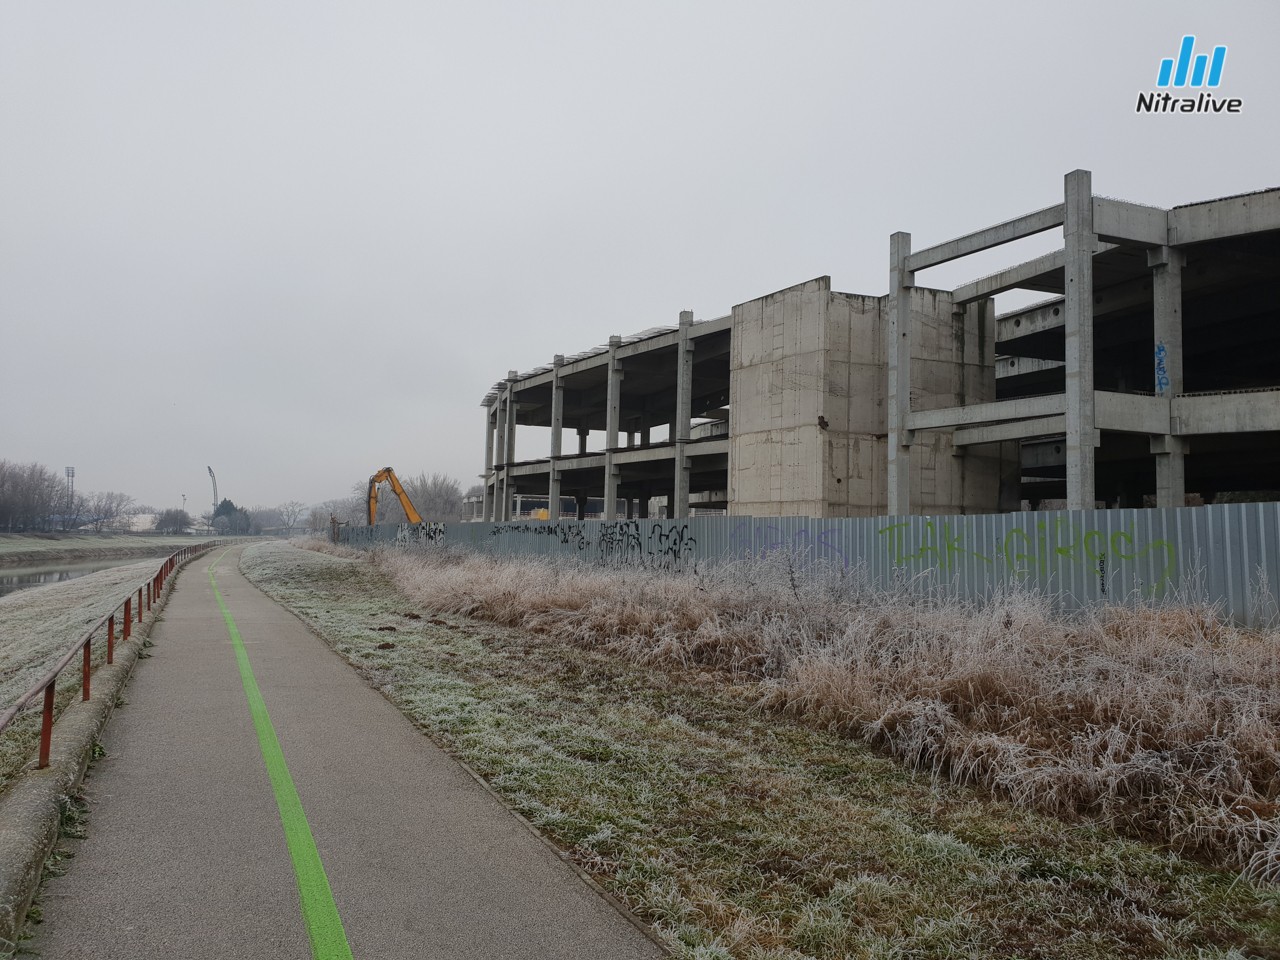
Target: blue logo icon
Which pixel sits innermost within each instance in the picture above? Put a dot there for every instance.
(1172, 75)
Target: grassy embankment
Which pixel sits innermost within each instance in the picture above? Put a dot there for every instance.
(24, 550)
(654, 728)
(39, 625)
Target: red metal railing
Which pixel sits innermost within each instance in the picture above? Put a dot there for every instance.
(48, 683)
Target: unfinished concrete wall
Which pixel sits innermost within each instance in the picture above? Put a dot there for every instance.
(808, 385)
(855, 447)
(777, 390)
(952, 363)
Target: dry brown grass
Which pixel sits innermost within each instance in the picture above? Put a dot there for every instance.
(1164, 721)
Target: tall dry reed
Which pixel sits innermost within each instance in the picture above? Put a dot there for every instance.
(1162, 720)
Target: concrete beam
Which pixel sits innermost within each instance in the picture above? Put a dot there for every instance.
(1230, 217)
(1017, 276)
(1118, 221)
(1122, 296)
(1131, 412)
(698, 448)
(996, 411)
(1021, 366)
(536, 468)
(1012, 430)
(1253, 412)
(1032, 320)
(706, 328)
(1015, 229)
(1010, 279)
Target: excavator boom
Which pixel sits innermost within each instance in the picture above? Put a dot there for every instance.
(386, 473)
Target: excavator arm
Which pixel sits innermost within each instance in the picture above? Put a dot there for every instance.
(386, 473)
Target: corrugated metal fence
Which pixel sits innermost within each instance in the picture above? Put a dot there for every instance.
(1226, 553)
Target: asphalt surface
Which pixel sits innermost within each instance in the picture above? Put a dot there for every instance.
(186, 856)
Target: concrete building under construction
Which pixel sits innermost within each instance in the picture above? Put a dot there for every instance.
(1153, 371)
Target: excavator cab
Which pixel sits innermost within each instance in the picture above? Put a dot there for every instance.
(386, 473)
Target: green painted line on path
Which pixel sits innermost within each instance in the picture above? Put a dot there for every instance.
(324, 926)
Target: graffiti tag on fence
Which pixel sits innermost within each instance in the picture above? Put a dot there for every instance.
(819, 540)
(1040, 551)
(618, 543)
(425, 532)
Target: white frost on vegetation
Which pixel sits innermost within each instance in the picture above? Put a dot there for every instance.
(1163, 720)
(40, 624)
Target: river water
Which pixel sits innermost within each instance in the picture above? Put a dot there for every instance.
(13, 579)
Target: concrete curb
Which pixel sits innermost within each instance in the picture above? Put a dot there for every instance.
(30, 811)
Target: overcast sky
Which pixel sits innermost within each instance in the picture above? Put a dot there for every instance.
(300, 241)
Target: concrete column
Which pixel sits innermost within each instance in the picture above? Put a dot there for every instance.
(557, 429)
(644, 435)
(898, 351)
(490, 427)
(613, 413)
(1170, 451)
(500, 454)
(1082, 434)
(581, 500)
(583, 432)
(508, 488)
(684, 414)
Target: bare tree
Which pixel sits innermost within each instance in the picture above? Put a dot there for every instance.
(290, 513)
(318, 520)
(262, 519)
(30, 496)
(350, 509)
(107, 511)
(437, 497)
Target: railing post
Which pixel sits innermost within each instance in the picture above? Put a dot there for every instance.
(46, 725)
(148, 598)
(111, 638)
(139, 604)
(128, 618)
(84, 679)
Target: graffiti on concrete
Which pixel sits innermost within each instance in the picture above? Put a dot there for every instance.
(1162, 369)
(1041, 551)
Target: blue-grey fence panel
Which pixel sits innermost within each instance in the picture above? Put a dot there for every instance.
(1227, 554)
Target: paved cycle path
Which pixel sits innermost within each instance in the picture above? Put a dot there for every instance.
(195, 849)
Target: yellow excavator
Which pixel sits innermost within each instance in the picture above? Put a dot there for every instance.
(386, 473)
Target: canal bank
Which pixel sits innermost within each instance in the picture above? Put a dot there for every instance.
(15, 578)
(33, 551)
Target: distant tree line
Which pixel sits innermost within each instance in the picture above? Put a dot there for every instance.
(34, 498)
(229, 519)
